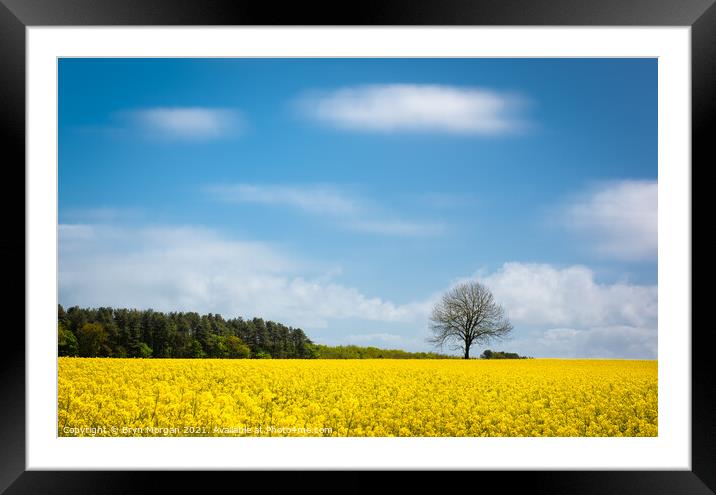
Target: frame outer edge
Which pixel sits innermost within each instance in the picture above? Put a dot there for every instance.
(368, 12)
(12, 246)
(703, 105)
(12, 95)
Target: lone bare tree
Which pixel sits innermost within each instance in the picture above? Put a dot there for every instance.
(468, 314)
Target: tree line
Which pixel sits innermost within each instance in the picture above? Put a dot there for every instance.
(109, 332)
(123, 333)
(358, 352)
(488, 354)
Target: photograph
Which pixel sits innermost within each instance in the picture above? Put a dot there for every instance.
(357, 247)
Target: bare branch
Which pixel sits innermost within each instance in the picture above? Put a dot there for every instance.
(467, 315)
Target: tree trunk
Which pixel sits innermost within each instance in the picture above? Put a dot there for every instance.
(467, 352)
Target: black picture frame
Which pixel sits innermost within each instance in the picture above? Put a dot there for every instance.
(16, 15)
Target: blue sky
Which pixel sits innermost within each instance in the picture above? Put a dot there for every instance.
(345, 195)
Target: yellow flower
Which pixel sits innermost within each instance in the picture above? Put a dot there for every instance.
(536, 397)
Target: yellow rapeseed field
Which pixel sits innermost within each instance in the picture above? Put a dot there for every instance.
(203, 397)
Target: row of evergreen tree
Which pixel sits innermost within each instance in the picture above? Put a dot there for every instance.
(109, 332)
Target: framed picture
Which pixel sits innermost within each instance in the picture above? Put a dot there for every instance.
(283, 185)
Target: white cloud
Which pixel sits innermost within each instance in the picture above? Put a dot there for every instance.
(571, 315)
(371, 338)
(416, 108)
(619, 219)
(188, 122)
(557, 312)
(316, 199)
(617, 342)
(540, 294)
(397, 227)
(347, 211)
(195, 269)
(76, 233)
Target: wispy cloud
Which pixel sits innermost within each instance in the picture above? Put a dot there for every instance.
(417, 108)
(345, 210)
(99, 215)
(198, 123)
(315, 199)
(619, 219)
(450, 201)
(397, 227)
(371, 338)
(197, 269)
